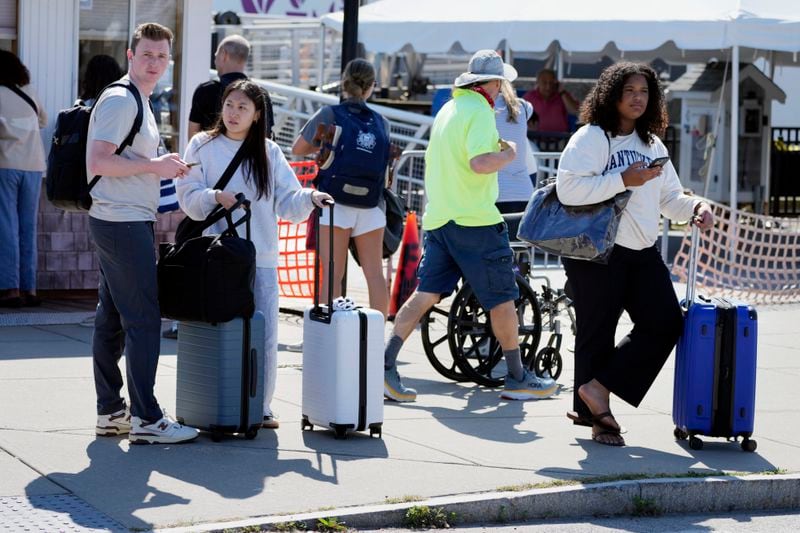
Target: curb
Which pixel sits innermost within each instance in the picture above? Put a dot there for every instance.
(661, 496)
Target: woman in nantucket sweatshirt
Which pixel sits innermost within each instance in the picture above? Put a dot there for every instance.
(623, 114)
(267, 180)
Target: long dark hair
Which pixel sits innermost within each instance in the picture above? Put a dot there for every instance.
(101, 70)
(254, 165)
(600, 106)
(12, 71)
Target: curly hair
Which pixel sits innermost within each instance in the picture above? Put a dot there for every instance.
(600, 106)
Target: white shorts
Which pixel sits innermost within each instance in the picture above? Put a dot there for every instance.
(360, 219)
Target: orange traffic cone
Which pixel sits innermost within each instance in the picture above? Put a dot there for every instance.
(405, 280)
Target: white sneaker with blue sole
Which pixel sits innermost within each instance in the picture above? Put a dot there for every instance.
(530, 387)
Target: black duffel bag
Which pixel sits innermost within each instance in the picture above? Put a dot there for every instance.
(209, 278)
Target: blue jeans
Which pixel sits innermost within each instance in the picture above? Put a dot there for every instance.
(19, 200)
(127, 317)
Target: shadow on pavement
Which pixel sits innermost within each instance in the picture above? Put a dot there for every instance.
(717, 456)
(234, 469)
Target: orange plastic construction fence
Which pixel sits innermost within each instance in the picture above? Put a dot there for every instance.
(295, 263)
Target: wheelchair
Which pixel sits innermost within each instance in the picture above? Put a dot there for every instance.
(457, 332)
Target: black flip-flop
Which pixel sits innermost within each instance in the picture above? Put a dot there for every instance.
(596, 420)
(579, 420)
(605, 432)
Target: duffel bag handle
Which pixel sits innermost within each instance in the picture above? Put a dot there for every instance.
(244, 203)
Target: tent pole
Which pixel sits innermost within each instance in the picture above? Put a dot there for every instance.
(733, 230)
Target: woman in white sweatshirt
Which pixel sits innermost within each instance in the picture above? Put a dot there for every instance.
(267, 180)
(623, 113)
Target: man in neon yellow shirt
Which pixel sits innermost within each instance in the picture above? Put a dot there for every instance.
(465, 233)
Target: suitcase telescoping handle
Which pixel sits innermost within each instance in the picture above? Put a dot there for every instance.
(691, 278)
(317, 312)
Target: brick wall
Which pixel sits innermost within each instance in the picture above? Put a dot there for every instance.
(66, 254)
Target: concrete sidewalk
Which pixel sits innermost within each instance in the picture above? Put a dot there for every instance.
(459, 442)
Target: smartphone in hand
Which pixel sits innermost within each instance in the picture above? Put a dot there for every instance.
(658, 162)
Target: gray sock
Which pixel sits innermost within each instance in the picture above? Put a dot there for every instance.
(392, 350)
(514, 363)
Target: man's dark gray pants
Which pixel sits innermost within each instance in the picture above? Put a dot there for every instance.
(127, 317)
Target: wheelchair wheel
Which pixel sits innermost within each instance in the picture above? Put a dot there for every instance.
(433, 328)
(547, 363)
(475, 349)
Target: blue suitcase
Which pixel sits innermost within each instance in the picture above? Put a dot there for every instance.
(715, 368)
(220, 383)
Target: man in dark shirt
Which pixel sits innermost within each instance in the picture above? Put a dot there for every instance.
(230, 61)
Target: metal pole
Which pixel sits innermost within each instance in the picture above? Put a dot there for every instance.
(349, 31)
(734, 171)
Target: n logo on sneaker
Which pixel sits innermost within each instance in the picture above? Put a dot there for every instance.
(163, 426)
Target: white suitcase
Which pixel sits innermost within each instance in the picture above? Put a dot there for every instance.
(342, 367)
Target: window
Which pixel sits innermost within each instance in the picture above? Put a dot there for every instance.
(8, 25)
(106, 27)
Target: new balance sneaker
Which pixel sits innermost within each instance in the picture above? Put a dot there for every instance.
(393, 388)
(530, 387)
(163, 431)
(118, 423)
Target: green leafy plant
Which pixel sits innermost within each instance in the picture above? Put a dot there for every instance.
(424, 517)
(646, 507)
(330, 524)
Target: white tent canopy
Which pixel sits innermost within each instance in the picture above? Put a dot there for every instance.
(615, 27)
(681, 31)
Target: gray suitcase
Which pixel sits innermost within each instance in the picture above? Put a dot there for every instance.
(221, 376)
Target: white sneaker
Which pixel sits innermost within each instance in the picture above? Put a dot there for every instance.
(164, 431)
(118, 423)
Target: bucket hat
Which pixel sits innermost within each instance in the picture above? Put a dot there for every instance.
(486, 65)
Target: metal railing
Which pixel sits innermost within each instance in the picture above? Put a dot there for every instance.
(293, 107)
(299, 53)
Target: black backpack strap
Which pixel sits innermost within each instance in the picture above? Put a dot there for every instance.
(137, 121)
(25, 97)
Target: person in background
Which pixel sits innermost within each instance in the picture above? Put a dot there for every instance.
(624, 114)
(101, 71)
(364, 224)
(22, 162)
(121, 219)
(465, 235)
(516, 180)
(267, 180)
(230, 61)
(551, 102)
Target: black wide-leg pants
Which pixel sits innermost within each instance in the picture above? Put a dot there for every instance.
(636, 281)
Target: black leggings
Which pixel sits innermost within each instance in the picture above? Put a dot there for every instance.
(636, 281)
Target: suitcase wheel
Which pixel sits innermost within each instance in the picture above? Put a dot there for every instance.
(375, 432)
(305, 424)
(680, 434)
(251, 433)
(695, 443)
(749, 445)
(216, 435)
(341, 433)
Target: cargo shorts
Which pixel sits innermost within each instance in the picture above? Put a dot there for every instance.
(479, 254)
